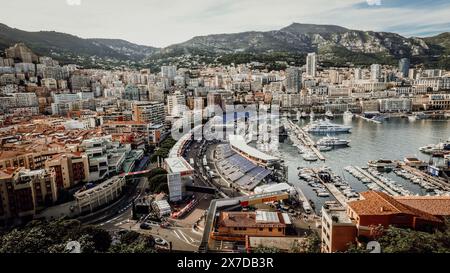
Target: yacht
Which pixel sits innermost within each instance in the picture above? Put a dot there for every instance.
(382, 164)
(309, 157)
(422, 115)
(329, 114)
(412, 118)
(435, 148)
(348, 115)
(323, 194)
(325, 126)
(324, 148)
(332, 142)
(304, 115)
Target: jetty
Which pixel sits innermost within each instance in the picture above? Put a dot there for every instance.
(305, 139)
(436, 181)
(377, 181)
(305, 201)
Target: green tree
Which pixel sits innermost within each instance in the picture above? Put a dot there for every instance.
(264, 249)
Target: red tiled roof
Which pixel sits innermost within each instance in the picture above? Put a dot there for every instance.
(379, 203)
(435, 205)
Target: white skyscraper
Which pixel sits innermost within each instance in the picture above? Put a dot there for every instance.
(311, 64)
(176, 104)
(375, 72)
(358, 74)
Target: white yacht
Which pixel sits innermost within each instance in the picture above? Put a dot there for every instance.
(412, 118)
(329, 114)
(309, 157)
(348, 115)
(325, 126)
(332, 142)
(324, 148)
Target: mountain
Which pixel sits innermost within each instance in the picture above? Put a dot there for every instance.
(51, 43)
(335, 45)
(126, 48)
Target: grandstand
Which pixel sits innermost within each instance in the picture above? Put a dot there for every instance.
(236, 168)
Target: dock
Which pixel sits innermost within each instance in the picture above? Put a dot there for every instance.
(377, 181)
(338, 195)
(306, 139)
(436, 181)
(302, 198)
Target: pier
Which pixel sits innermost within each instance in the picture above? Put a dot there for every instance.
(302, 198)
(377, 181)
(338, 195)
(436, 181)
(305, 139)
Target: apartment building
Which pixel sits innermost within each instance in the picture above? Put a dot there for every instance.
(24, 192)
(149, 112)
(70, 169)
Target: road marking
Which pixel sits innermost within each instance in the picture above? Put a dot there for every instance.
(174, 231)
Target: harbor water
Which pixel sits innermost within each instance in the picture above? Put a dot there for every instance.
(393, 139)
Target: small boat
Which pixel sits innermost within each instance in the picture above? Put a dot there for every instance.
(412, 118)
(329, 114)
(324, 148)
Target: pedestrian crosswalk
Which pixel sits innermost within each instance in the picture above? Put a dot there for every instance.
(184, 237)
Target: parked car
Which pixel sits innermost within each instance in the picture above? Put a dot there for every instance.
(145, 226)
(160, 241)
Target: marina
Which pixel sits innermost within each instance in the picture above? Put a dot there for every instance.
(433, 182)
(372, 179)
(324, 182)
(368, 143)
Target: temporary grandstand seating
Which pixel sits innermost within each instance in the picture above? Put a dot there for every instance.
(239, 169)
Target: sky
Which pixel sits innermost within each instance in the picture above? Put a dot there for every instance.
(164, 22)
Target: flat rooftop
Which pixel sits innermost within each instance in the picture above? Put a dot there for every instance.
(178, 165)
(239, 143)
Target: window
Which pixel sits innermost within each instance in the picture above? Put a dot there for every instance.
(270, 229)
(280, 229)
(261, 229)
